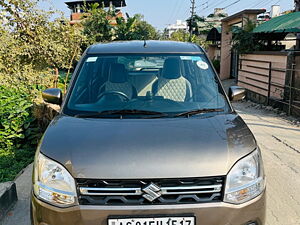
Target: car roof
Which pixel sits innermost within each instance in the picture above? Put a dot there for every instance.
(139, 47)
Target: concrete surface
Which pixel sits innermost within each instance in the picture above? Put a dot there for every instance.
(4, 186)
(279, 141)
(19, 215)
(8, 197)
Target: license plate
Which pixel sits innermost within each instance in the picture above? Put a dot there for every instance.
(154, 221)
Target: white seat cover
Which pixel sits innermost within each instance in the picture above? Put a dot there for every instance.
(174, 89)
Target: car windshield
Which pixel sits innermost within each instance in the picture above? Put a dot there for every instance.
(137, 85)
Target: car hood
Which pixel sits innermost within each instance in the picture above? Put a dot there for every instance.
(148, 148)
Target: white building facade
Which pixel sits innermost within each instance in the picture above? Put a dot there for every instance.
(179, 25)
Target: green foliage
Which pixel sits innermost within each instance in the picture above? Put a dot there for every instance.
(100, 25)
(18, 131)
(31, 43)
(217, 65)
(134, 28)
(97, 24)
(180, 35)
(244, 40)
(185, 37)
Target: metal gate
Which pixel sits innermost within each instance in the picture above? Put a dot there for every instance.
(234, 64)
(286, 96)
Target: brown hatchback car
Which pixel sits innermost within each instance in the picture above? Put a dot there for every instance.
(147, 136)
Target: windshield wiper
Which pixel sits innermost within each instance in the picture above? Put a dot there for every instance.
(197, 111)
(121, 113)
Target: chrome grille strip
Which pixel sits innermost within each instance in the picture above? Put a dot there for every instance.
(191, 190)
(110, 191)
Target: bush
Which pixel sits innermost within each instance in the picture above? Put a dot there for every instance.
(32, 46)
(244, 41)
(19, 132)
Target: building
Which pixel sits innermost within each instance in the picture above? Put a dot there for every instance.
(211, 21)
(217, 16)
(179, 25)
(272, 74)
(229, 58)
(275, 11)
(77, 7)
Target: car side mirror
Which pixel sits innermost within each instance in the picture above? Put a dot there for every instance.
(53, 96)
(236, 93)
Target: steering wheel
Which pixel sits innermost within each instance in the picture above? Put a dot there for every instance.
(114, 93)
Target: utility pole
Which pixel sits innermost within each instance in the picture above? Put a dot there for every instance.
(297, 5)
(193, 8)
(297, 9)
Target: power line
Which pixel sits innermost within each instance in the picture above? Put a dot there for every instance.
(173, 10)
(297, 5)
(232, 4)
(214, 5)
(180, 8)
(203, 4)
(276, 2)
(255, 4)
(263, 3)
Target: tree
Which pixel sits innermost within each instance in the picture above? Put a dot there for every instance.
(98, 26)
(32, 45)
(180, 35)
(184, 36)
(193, 23)
(135, 28)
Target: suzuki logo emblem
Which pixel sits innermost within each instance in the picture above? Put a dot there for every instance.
(152, 192)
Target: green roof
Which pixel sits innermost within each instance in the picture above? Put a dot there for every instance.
(288, 23)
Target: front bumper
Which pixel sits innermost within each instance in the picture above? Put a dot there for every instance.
(206, 213)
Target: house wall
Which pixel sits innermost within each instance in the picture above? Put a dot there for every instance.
(297, 80)
(254, 70)
(76, 16)
(214, 52)
(226, 37)
(225, 51)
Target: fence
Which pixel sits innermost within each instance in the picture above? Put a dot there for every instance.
(272, 79)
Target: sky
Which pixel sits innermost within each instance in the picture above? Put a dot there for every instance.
(160, 13)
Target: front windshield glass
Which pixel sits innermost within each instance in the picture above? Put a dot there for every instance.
(145, 84)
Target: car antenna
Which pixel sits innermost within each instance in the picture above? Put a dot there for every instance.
(145, 43)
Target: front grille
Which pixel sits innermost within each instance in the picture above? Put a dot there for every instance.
(150, 192)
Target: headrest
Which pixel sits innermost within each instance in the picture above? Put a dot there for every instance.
(118, 73)
(172, 68)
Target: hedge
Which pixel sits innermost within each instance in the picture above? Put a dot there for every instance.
(19, 131)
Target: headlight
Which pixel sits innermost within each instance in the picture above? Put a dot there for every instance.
(245, 180)
(53, 183)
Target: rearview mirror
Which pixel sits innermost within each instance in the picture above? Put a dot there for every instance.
(53, 96)
(236, 93)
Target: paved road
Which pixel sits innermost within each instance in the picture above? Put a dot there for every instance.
(280, 144)
(20, 213)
